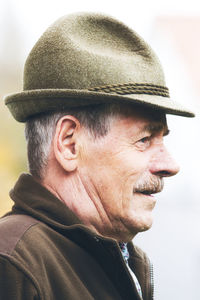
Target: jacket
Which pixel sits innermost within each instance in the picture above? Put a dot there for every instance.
(46, 253)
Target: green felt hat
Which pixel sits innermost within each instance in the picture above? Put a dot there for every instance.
(85, 59)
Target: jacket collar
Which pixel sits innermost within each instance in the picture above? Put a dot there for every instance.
(31, 198)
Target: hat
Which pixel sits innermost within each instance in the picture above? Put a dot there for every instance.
(86, 59)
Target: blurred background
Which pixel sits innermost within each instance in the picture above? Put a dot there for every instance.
(173, 30)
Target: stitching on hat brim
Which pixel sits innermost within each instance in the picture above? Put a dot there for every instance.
(133, 88)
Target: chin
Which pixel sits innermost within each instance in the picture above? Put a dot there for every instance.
(141, 224)
(145, 227)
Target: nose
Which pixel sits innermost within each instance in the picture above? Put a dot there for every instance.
(163, 165)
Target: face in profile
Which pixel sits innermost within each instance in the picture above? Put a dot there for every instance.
(124, 170)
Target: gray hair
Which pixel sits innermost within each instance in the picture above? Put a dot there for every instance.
(39, 131)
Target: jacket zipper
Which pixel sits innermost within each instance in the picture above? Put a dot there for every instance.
(151, 282)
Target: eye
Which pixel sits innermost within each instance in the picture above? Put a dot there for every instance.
(145, 139)
(144, 143)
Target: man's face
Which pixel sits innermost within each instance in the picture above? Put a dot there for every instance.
(124, 169)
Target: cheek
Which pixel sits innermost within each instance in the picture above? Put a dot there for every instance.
(124, 168)
(130, 165)
(114, 173)
(115, 183)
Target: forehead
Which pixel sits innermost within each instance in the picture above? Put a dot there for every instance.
(142, 119)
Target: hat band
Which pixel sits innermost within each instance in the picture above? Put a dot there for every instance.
(133, 88)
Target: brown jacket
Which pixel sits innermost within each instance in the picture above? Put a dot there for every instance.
(47, 254)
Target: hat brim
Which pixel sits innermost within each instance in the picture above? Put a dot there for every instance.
(29, 103)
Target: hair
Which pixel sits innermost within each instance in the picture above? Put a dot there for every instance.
(40, 129)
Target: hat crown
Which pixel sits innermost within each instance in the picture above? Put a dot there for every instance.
(84, 51)
(87, 59)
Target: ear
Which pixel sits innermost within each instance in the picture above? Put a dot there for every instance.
(65, 142)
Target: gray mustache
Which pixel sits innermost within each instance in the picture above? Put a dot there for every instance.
(149, 185)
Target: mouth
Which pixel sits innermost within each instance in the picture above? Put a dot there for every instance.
(150, 192)
(147, 193)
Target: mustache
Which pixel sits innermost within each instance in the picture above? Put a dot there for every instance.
(149, 185)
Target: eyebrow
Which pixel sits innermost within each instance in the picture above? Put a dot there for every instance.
(155, 128)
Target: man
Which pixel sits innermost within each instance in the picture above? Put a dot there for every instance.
(95, 105)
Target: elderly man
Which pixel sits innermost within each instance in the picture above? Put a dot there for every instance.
(95, 105)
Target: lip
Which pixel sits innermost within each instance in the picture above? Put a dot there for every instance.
(146, 195)
(150, 199)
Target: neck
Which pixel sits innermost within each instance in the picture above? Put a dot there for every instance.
(84, 202)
